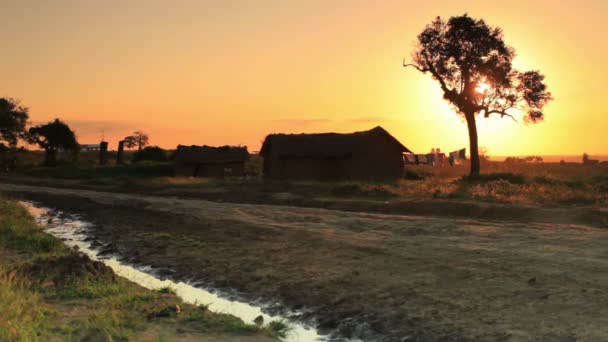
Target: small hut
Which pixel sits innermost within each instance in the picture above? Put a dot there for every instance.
(208, 161)
(366, 155)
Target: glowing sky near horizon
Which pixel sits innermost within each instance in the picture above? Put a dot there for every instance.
(230, 72)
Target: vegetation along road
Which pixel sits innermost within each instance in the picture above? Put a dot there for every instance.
(373, 276)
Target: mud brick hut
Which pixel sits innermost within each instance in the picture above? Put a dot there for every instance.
(208, 161)
(367, 155)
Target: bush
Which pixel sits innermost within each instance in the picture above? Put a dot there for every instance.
(600, 183)
(361, 190)
(413, 175)
(153, 153)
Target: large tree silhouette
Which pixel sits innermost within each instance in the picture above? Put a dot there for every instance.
(52, 137)
(473, 66)
(13, 118)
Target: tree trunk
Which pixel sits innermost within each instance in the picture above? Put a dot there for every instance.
(474, 150)
(51, 157)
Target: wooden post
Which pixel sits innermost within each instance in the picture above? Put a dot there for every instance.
(119, 155)
(103, 153)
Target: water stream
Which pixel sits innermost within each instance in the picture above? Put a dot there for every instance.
(73, 231)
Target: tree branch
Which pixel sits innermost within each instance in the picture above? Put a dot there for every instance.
(502, 113)
(415, 66)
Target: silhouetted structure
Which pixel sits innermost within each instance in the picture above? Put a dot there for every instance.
(366, 155)
(121, 152)
(208, 161)
(90, 147)
(103, 153)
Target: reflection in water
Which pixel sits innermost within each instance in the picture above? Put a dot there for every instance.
(73, 232)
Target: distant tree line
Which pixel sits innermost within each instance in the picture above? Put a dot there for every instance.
(54, 137)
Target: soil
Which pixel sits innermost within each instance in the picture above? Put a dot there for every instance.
(373, 276)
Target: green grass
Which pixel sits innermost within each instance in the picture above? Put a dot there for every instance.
(207, 320)
(278, 329)
(166, 289)
(24, 316)
(19, 231)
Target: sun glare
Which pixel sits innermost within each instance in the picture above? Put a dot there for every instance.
(482, 87)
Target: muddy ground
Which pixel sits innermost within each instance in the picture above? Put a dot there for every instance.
(373, 276)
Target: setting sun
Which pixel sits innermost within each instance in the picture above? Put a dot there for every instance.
(184, 76)
(482, 87)
(303, 170)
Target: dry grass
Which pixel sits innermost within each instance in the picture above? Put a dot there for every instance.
(525, 183)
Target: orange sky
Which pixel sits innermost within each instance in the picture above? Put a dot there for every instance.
(230, 72)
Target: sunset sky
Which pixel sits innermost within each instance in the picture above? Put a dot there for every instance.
(230, 72)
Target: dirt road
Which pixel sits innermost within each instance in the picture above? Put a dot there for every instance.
(374, 276)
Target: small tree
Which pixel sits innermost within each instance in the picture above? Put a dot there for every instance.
(13, 118)
(130, 142)
(473, 66)
(52, 137)
(139, 139)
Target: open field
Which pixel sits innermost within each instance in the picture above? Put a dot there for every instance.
(378, 276)
(544, 184)
(51, 293)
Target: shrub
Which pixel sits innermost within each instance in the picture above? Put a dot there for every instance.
(412, 175)
(153, 153)
(361, 190)
(513, 178)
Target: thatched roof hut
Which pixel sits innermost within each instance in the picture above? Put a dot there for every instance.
(208, 161)
(372, 154)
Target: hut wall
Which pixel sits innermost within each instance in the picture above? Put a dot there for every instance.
(218, 170)
(310, 168)
(184, 170)
(378, 160)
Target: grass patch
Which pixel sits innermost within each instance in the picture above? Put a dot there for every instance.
(207, 320)
(19, 231)
(166, 289)
(24, 316)
(363, 190)
(278, 329)
(513, 178)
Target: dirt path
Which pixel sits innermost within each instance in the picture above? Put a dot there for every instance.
(374, 276)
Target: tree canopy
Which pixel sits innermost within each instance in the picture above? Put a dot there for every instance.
(473, 66)
(139, 139)
(13, 119)
(52, 137)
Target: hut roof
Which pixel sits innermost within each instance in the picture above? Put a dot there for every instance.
(210, 154)
(324, 145)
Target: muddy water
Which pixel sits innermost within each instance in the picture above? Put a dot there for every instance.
(73, 231)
